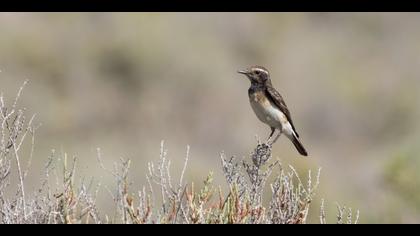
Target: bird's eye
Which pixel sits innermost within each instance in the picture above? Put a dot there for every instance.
(257, 72)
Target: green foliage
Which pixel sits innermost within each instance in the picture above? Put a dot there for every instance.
(401, 172)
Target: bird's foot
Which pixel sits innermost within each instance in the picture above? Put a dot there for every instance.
(271, 142)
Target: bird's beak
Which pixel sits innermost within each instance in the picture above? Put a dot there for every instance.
(243, 72)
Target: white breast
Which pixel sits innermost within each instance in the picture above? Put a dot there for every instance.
(272, 116)
(267, 112)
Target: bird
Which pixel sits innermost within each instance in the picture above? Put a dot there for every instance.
(270, 107)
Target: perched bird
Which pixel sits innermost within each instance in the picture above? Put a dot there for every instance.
(270, 107)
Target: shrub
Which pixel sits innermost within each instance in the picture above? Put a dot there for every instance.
(163, 200)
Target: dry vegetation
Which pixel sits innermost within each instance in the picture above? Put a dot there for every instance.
(165, 200)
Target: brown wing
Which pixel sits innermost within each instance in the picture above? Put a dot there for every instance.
(279, 101)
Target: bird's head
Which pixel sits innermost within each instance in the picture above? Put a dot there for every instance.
(256, 74)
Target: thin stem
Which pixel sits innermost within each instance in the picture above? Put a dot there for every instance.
(22, 189)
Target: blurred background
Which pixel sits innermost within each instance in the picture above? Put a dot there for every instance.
(125, 81)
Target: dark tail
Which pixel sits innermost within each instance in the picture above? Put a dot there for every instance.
(299, 146)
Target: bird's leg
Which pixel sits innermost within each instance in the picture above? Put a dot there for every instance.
(275, 139)
(269, 141)
(271, 134)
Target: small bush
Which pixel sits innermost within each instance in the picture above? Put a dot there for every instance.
(162, 200)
